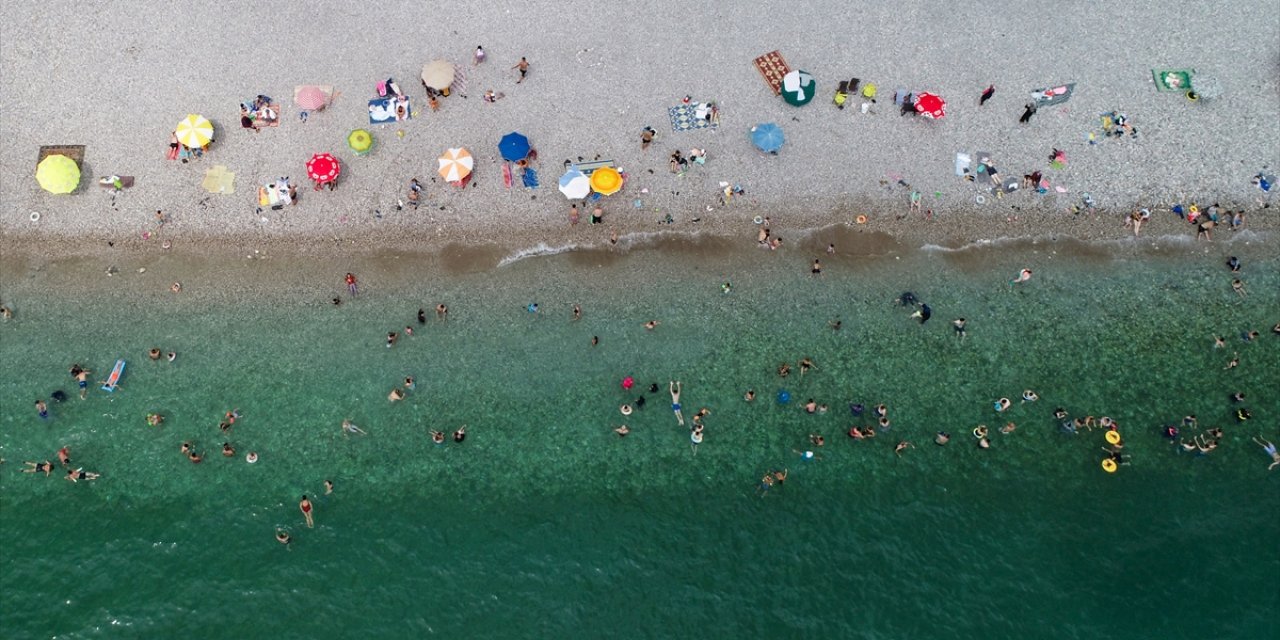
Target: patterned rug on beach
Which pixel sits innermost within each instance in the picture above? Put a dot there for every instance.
(772, 67)
(1172, 79)
(684, 117)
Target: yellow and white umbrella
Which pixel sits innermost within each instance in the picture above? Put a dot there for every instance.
(437, 74)
(194, 131)
(456, 164)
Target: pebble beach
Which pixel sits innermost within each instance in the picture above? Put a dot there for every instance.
(117, 81)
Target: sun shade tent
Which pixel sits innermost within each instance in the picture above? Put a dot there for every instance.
(437, 74)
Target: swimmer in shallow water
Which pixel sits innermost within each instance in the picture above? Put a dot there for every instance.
(622, 431)
(1029, 396)
(923, 313)
(958, 325)
(1270, 450)
(460, 434)
(907, 299)
(673, 387)
(350, 427)
(942, 438)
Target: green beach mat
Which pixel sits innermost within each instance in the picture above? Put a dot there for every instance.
(1172, 79)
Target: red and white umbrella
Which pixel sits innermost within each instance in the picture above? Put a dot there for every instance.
(456, 164)
(310, 97)
(930, 105)
(323, 167)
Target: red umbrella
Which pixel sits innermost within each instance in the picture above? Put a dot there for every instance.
(930, 105)
(323, 167)
(310, 97)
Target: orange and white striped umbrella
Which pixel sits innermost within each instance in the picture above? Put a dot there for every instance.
(456, 164)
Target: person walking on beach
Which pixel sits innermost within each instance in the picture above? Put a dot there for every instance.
(573, 214)
(1028, 111)
(351, 285)
(674, 387)
(523, 66)
(478, 56)
(305, 507)
(646, 138)
(986, 94)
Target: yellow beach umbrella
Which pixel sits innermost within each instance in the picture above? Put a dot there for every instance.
(456, 164)
(606, 181)
(360, 141)
(194, 131)
(58, 174)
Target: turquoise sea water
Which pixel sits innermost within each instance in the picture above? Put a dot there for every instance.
(544, 523)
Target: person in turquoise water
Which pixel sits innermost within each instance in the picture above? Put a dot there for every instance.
(1270, 449)
(42, 410)
(674, 387)
(305, 507)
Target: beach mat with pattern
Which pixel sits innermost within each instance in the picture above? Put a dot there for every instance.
(772, 67)
(684, 117)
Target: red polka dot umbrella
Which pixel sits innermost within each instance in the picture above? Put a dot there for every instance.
(323, 167)
(931, 106)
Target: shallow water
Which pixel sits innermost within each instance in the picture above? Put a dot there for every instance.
(543, 522)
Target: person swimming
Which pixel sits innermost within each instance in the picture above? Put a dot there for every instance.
(923, 313)
(1029, 396)
(856, 408)
(1002, 404)
(1233, 263)
(907, 299)
(460, 434)
(942, 438)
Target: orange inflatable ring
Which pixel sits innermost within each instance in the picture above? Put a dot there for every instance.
(861, 219)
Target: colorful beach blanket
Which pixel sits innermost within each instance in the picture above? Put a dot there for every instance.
(529, 177)
(684, 117)
(1172, 79)
(772, 67)
(389, 109)
(1053, 95)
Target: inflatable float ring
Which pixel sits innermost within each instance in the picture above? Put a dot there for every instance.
(35, 216)
(758, 220)
(1109, 465)
(980, 200)
(860, 219)
(1113, 437)
(625, 409)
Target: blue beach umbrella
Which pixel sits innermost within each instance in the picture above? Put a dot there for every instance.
(767, 137)
(514, 146)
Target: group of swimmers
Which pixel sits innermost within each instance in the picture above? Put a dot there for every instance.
(64, 459)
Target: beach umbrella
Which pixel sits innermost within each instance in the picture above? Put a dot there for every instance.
(310, 97)
(767, 137)
(514, 146)
(58, 174)
(606, 181)
(194, 131)
(456, 164)
(323, 167)
(360, 141)
(437, 74)
(930, 105)
(798, 87)
(575, 185)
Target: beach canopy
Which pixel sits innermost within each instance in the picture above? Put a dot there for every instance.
(798, 87)
(360, 141)
(194, 131)
(456, 164)
(575, 185)
(606, 181)
(58, 174)
(767, 137)
(930, 105)
(514, 146)
(437, 74)
(323, 167)
(310, 97)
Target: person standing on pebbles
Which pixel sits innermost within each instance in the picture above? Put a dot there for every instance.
(523, 66)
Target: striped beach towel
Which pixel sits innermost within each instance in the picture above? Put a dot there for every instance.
(459, 80)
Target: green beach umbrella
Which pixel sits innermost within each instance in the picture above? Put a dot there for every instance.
(798, 88)
(58, 174)
(360, 141)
